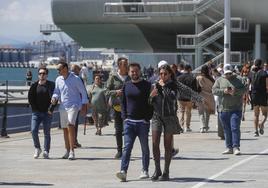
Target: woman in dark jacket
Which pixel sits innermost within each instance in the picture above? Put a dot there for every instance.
(164, 101)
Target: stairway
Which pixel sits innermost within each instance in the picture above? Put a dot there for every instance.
(211, 34)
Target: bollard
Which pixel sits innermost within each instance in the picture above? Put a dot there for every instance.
(4, 120)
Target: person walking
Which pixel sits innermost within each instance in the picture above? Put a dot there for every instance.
(185, 103)
(216, 74)
(71, 93)
(259, 95)
(75, 69)
(84, 74)
(39, 97)
(98, 104)
(230, 89)
(205, 82)
(29, 77)
(163, 97)
(114, 91)
(136, 114)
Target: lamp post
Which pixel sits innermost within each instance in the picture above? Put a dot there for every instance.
(227, 31)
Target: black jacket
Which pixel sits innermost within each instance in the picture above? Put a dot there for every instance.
(165, 103)
(34, 100)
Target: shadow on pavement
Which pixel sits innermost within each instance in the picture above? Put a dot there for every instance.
(24, 184)
(254, 154)
(93, 147)
(199, 158)
(190, 179)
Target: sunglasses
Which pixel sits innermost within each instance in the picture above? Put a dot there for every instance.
(42, 73)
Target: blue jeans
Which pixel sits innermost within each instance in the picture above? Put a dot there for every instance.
(231, 124)
(37, 119)
(131, 131)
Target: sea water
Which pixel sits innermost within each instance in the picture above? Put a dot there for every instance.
(17, 76)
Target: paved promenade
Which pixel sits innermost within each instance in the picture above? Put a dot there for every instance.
(199, 163)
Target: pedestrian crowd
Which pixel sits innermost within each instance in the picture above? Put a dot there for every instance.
(140, 100)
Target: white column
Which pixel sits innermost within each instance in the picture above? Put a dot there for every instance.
(227, 31)
(198, 51)
(258, 41)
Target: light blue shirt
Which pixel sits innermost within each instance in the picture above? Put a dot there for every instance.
(71, 91)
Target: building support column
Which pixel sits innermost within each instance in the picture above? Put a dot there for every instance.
(227, 31)
(257, 41)
(198, 51)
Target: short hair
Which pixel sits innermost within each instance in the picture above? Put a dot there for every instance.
(43, 68)
(258, 63)
(188, 67)
(121, 59)
(98, 74)
(134, 64)
(63, 63)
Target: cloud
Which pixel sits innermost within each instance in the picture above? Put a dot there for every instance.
(26, 11)
(21, 19)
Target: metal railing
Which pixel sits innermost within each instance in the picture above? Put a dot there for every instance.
(157, 8)
(47, 29)
(236, 58)
(211, 34)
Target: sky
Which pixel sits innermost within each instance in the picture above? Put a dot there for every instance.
(20, 19)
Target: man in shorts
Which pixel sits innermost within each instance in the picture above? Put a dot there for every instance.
(71, 93)
(259, 96)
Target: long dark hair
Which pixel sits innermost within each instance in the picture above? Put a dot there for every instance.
(206, 72)
(168, 68)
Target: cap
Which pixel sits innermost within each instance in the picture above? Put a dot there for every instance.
(227, 69)
(161, 63)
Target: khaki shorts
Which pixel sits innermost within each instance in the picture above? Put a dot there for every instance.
(68, 116)
(168, 124)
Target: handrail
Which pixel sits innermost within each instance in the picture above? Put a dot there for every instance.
(212, 31)
(47, 29)
(118, 8)
(221, 55)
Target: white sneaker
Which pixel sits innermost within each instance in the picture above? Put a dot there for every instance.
(202, 130)
(66, 155)
(37, 152)
(187, 129)
(237, 151)
(122, 175)
(144, 174)
(228, 151)
(71, 155)
(46, 155)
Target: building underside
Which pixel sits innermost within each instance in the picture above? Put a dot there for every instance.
(156, 26)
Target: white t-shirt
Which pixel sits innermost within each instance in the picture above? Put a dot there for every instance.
(84, 72)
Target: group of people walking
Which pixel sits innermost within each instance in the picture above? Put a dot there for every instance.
(160, 103)
(71, 92)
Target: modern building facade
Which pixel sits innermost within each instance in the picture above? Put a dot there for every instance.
(172, 26)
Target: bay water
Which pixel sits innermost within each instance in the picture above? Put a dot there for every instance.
(17, 76)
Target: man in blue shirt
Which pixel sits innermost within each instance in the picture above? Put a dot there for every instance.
(71, 93)
(136, 115)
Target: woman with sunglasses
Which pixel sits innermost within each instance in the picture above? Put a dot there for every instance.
(164, 100)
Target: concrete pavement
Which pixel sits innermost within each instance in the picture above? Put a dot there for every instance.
(199, 163)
